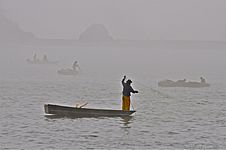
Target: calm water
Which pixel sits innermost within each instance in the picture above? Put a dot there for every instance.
(166, 118)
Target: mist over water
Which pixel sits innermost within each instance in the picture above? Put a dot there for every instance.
(146, 40)
(154, 62)
(172, 118)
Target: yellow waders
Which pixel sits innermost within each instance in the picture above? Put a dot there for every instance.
(126, 103)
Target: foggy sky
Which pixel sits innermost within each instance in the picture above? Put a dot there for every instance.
(124, 19)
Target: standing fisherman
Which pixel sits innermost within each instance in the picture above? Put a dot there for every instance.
(127, 89)
(76, 66)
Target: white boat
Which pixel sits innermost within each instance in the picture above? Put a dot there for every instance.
(67, 72)
(181, 83)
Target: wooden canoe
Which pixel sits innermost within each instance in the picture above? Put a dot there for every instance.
(84, 112)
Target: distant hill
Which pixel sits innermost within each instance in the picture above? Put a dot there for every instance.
(95, 33)
(10, 32)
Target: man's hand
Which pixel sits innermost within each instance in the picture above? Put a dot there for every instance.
(123, 80)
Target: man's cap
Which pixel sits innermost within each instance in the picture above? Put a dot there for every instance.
(129, 81)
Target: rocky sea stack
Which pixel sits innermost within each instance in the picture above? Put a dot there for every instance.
(95, 33)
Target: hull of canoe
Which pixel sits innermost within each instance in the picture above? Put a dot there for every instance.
(83, 112)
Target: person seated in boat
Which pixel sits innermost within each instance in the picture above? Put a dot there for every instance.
(127, 89)
(75, 66)
(202, 80)
(45, 59)
(28, 60)
(35, 59)
(182, 80)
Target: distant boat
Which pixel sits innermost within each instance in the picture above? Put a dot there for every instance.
(68, 111)
(67, 72)
(74, 71)
(42, 61)
(181, 83)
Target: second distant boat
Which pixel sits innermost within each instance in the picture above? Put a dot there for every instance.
(74, 71)
(183, 83)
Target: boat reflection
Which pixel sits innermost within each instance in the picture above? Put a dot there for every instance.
(126, 120)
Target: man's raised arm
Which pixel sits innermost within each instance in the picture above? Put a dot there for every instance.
(123, 80)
